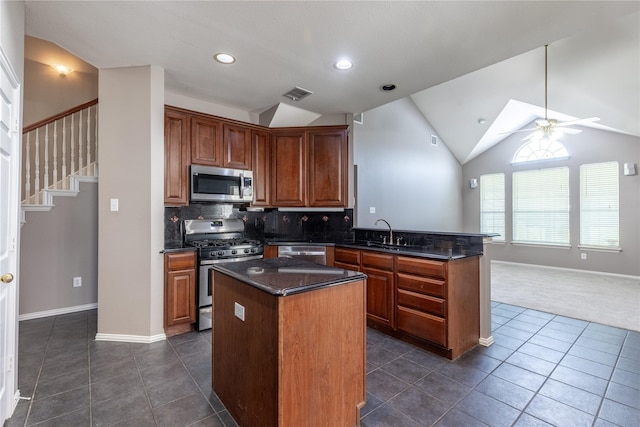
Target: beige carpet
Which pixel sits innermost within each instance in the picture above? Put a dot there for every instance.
(606, 299)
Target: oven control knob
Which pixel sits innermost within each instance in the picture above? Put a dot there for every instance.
(246, 251)
(220, 253)
(233, 252)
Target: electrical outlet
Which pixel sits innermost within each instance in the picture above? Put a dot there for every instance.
(114, 205)
(372, 209)
(77, 282)
(238, 310)
(583, 256)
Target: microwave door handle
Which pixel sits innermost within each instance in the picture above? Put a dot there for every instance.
(241, 185)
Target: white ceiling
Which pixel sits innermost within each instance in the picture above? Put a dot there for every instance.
(459, 61)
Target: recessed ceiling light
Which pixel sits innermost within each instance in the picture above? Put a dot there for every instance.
(481, 121)
(224, 58)
(388, 87)
(343, 64)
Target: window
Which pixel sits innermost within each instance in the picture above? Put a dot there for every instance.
(599, 205)
(492, 205)
(540, 149)
(541, 206)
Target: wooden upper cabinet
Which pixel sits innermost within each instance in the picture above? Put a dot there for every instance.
(206, 141)
(288, 168)
(236, 146)
(328, 169)
(177, 157)
(261, 164)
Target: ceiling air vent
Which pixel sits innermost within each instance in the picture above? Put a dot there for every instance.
(297, 93)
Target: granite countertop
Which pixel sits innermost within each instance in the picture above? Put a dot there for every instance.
(170, 249)
(416, 251)
(287, 276)
(274, 242)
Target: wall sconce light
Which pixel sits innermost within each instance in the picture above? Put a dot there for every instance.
(630, 169)
(473, 183)
(62, 70)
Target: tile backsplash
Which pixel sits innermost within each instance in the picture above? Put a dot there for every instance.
(270, 224)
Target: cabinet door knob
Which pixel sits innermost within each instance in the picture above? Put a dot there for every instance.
(6, 278)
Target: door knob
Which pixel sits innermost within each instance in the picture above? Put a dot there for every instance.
(6, 278)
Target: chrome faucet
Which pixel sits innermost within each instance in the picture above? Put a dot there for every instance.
(390, 231)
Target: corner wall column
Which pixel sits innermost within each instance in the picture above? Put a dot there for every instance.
(486, 338)
(131, 231)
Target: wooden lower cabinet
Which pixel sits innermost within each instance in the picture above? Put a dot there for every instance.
(431, 303)
(296, 360)
(179, 292)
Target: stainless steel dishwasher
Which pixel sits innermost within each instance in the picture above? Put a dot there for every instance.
(317, 254)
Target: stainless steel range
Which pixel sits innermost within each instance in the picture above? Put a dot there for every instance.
(217, 240)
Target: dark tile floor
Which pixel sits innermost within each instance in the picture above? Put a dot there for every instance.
(542, 370)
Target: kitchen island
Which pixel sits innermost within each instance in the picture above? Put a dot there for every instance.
(289, 343)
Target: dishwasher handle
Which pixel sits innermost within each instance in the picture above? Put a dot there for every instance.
(317, 254)
(299, 253)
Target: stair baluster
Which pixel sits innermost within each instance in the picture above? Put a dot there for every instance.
(64, 164)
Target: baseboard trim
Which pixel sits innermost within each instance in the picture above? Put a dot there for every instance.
(57, 311)
(576, 270)
(486, 341)
(142, 339)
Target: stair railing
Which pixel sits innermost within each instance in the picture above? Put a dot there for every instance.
(57, 148)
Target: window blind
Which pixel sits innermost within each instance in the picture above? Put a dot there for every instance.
(492, 205)
(599, 205)
(541, 206)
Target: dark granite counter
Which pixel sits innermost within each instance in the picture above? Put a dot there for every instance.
(297, 243)
(170, 249)
(286, 276)
(414, 251)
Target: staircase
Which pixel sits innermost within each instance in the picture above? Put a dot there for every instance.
(58, 154)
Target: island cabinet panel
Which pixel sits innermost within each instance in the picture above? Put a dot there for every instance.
(261, 164)
(177, 157)
(206, 141)
(289, 168)
(180, 292)
(438, 301)
(327, 180)
(236, 141)
(431, 303)
(463, 304)
(297, 360)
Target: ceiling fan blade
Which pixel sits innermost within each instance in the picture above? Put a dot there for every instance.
(528, 137)
(517, 131)
(578, 121)
(569, 130)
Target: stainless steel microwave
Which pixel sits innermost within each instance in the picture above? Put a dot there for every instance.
(213, 184)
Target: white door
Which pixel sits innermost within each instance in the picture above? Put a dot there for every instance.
(9, 209)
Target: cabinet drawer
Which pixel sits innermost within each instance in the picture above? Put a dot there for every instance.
(423, 285)
(352, 267)
(423, 325)
(379, 261)
(421, 302)
(422, 267)
(180, 261)
(347, 256)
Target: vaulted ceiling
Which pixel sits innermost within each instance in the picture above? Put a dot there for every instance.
(459, 61)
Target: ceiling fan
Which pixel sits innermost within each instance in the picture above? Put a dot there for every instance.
(551, 129)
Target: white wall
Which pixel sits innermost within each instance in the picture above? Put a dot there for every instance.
(57, 246)
(411, 183)
(46, 93)
(130, 265)
(590, 146)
